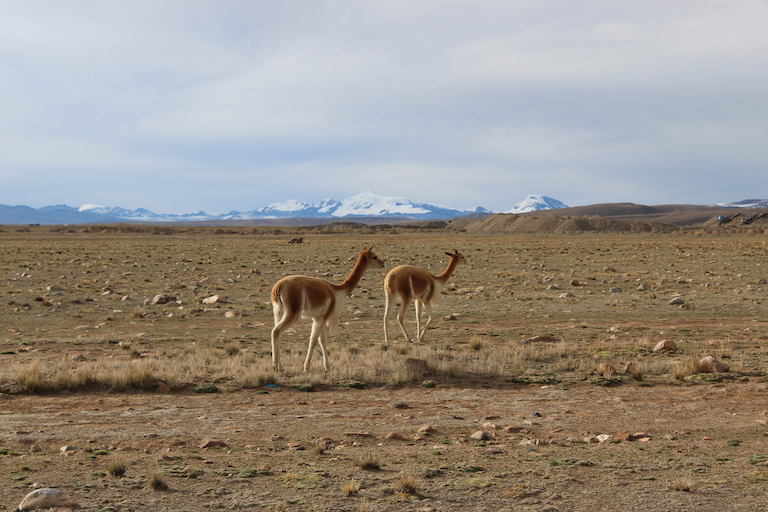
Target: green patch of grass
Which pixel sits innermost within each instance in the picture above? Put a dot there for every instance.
(205, 388)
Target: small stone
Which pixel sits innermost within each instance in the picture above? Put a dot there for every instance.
(67, 448)
(709, 364)
(162, 298)
(212, 443)
(676, 301)
(481, 436)
(603, 438)
(401, 405)
(394, 435)
(665, 345)
(47, 498)
(213, 299)
(426, 428)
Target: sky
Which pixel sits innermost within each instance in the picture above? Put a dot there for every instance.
(179, 106)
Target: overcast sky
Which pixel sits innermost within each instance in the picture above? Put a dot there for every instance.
(186, 105)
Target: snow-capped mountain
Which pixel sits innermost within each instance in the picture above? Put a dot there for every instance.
(747, 203)
(534, 203)
(364, 204)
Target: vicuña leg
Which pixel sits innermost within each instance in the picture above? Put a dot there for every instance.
(317, 336)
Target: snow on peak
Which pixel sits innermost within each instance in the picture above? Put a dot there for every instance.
(291, 205)
(91, 207)
(535, 202)
(368, 203)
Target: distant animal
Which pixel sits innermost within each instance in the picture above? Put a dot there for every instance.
(299, 240)
(415, 284)
(296, 297)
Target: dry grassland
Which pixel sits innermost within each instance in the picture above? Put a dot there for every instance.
(530, 345)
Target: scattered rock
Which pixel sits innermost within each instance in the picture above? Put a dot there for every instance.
(162, 298)
(481, 436)
(566, 295)
(426, 428)
(540, 338)
(213, 299)
(676, 301)
(79, 357)
(709, 364)
(401, 405)
(665, 346)
(47, 498)
(575, 282)
(212, 443)
(67, 448)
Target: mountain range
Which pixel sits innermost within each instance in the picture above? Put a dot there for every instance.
(362, 206)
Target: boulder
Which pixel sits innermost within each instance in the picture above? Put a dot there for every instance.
(709, 364)
(47, 498)
(665, 346)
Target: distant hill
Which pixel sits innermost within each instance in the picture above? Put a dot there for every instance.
(554, 223)
(675, 214)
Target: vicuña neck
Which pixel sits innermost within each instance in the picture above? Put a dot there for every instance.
(449, 270)
(355, 276)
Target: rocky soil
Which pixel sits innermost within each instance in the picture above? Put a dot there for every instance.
(545, 432)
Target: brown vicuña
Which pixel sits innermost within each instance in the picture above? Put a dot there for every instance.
(415, 284)
(295, 297)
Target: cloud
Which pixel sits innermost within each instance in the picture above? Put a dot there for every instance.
(438, 101)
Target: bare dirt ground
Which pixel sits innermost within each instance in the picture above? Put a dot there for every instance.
(506, 416)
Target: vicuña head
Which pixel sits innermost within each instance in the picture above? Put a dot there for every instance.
(415, 284)
(296, 297)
